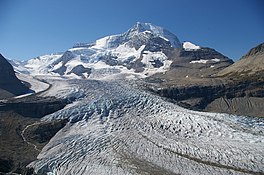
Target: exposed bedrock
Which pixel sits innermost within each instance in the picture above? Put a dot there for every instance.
(227, 98)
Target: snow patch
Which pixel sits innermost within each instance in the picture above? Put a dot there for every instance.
(215, 60)
(199, 61)
(188, 46)
(202, 61)
(149, 59)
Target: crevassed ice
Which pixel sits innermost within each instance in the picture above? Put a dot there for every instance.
(118, 129)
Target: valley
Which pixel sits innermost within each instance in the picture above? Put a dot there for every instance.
(140, 102)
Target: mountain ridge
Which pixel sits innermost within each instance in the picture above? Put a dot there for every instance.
(248, 65)
(141, 51)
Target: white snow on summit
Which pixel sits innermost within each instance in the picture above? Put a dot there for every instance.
(133, 52)
(41, 64)
(188, 46)
(158, 31)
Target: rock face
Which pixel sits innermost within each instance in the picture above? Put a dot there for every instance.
(191, 66)
(21, 129)
(240, 98)
(10, 85)
(33, 108)
(205, 80)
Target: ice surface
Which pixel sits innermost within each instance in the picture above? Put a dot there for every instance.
(117, 128)
(36, 85)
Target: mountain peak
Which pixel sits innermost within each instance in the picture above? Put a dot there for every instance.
(259, 49)
(142, 27)
(158, 31)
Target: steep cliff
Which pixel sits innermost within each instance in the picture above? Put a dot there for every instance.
(10, 85)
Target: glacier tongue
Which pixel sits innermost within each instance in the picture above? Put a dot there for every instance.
(118, 129)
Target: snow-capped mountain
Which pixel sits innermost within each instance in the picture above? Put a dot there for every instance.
(142, 50)
(117, 127)
(145, 49)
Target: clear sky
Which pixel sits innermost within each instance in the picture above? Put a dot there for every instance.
(29, 28)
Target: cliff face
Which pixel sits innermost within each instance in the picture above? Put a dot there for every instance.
(240, 98)
(20, 121)
(215, 86)
(10, 85)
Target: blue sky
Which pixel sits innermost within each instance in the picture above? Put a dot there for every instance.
(30, 28)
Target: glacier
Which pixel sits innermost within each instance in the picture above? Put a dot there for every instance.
(118, 128)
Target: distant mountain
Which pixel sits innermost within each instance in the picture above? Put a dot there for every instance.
(250, 64)
(10, 85)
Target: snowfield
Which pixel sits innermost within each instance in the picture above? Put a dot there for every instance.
(116, 128)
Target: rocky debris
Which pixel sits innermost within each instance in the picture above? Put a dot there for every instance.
(15, 153)
(80, 70)
(250, 106)
(41, 132)
(259, 49)
(10, 85)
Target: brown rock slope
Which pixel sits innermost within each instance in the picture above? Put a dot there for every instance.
(251, 64)
(215, 85)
